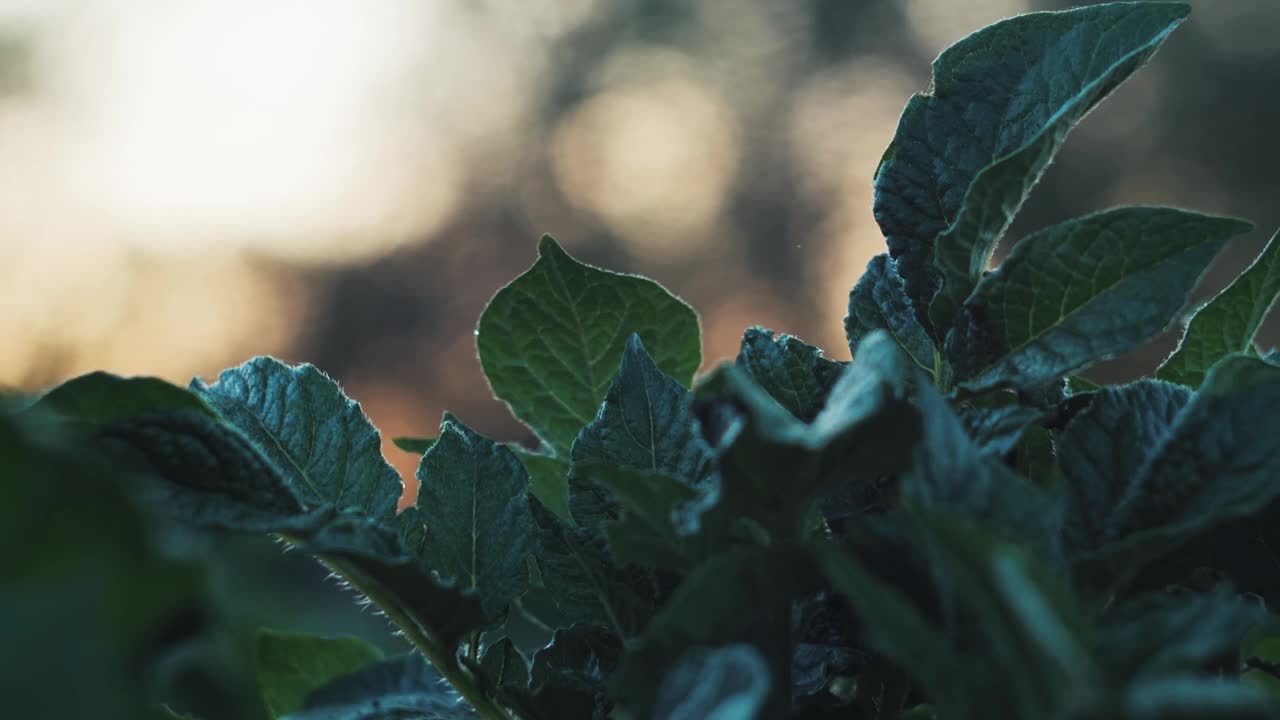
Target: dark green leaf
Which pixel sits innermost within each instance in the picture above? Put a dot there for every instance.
(316, 437)
(504, 666)
(1102, 451)
(404, 687)
(1078, 384)
(966, 156)
(727, 683)
(1167, 633)
(548, 479)
(1228, 323)
(100, 398)
(413, 445)
(879, 302)
(588, 585)
(1218, 461)
(569, 676)
(479, 528)
(866, 429)
(709, 609)
(792, 372)
(550, 341)
(650, 504)
(1190, 697)
(1082, 291)
(997, 430)
(291, 666)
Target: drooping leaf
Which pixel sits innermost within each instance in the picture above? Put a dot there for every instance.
(1082, 291)
(1216, 462)
(551, 340)
(728, 683)
(792, 372)
(414, 445)
(1228, 323)
(1103, 449)
(100, 398)
(965, 156)
(879, 301)
(708, 609)
(588, 585)
(317, 438)
(404, 687)
(291, 666)
(866, 429)
(504, 666)
(480, 531)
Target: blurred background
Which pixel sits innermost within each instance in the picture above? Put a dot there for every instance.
(185, 184)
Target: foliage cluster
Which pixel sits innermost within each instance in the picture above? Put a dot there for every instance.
(954, 524)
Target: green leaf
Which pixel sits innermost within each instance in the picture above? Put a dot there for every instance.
(588, 585)
(1217, 461)
(966, 156)
(727, 683)
(404, 687)
(866, 429)
(1163, 633)
(317, 438)
(291, 666)
(792, 372)
(650, 504)
(548, 479)
(480, 530)
(413, 445)
(951, 473)
(1228, 323)
(204, 472)
(646, 422)
(879, 302)
(997, 430)
(100, 398)
(708, 609)
(504, 666)
(569, 675)
(1191, 697)
(1081, 291)
(550, 341)
(1102, 451)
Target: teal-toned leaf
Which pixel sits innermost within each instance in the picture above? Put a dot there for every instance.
(480, 531)
(792, 372)
(649, 505)
(952, 474)
(548, 479)
(1161, 634)
(413, 445)
(1217, 461)
(1273, 357)
(100, 398)
(997, 430)
(1191, 697)
(708, 609)
(551, 340)
(646, 422)
(504, 666)
(204, 472)
(879, 301)
(1078, 384)
(569, 676)
(1081, 291)
(588, 585)
(1228, 323)
(728, 683)
(866, 429)
(291, 666)
(966, 156)
(316, 437)
(896, 628)
(1103, 449)
(404, 687)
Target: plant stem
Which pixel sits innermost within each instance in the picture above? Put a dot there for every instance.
(440, 658)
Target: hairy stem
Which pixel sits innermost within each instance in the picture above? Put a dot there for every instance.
(440, 657)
